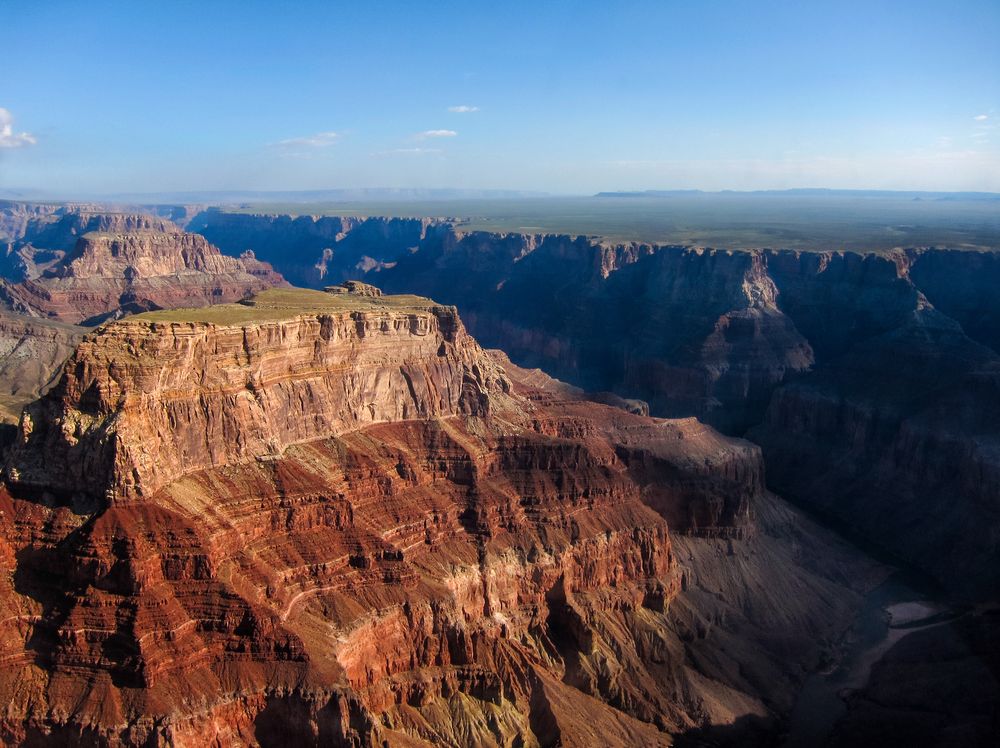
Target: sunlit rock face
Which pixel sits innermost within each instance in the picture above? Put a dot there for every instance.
(333, 518)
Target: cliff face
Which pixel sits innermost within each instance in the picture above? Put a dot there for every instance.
(311, 251)
(125, 263)
(333, 519)
(901, 432)
(142, 402)
(962, 285)
(874, 404)
(57, 230)
(693, 332)
(894, 431)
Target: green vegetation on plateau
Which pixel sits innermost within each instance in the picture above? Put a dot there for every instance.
(286, 303)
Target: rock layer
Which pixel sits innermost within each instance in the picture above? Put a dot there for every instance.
(143, 402)
(125, 263)
(768, 340)
(396, 538)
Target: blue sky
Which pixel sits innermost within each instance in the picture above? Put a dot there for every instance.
(567, 97)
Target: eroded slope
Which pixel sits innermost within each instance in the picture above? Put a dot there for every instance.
(335, 520)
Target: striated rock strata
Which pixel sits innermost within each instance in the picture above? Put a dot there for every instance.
(125, 263)
(331, 519)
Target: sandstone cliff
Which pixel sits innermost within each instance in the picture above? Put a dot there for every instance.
(149, 399)
(333, 519)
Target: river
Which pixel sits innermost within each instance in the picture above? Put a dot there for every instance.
(890, 611)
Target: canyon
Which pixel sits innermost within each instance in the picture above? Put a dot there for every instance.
(67, 268)
(334, 518)
(239, 512)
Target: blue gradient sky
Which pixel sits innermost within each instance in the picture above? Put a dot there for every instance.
(571, 97)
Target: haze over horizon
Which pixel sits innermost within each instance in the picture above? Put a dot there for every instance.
(570, 98)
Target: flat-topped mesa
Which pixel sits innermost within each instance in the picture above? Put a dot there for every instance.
(143, 254)
(149, 399)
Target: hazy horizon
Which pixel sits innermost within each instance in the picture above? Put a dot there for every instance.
(566, 98)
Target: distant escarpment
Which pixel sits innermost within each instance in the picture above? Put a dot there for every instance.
(314, 251)
(57, 226)
(332, 519)
(86, 268)
(15, 218)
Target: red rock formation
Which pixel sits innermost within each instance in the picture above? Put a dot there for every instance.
(130, 263)
(334, 519)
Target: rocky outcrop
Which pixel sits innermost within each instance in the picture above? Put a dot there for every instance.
(144, 401)
(130, 263)
(333, 519)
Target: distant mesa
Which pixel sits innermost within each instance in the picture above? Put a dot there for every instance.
(86, 268)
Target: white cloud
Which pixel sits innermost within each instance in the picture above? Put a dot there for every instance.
(319, 140)
(9, 138)
(436, 134)
(463, 109)
(981, 117)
